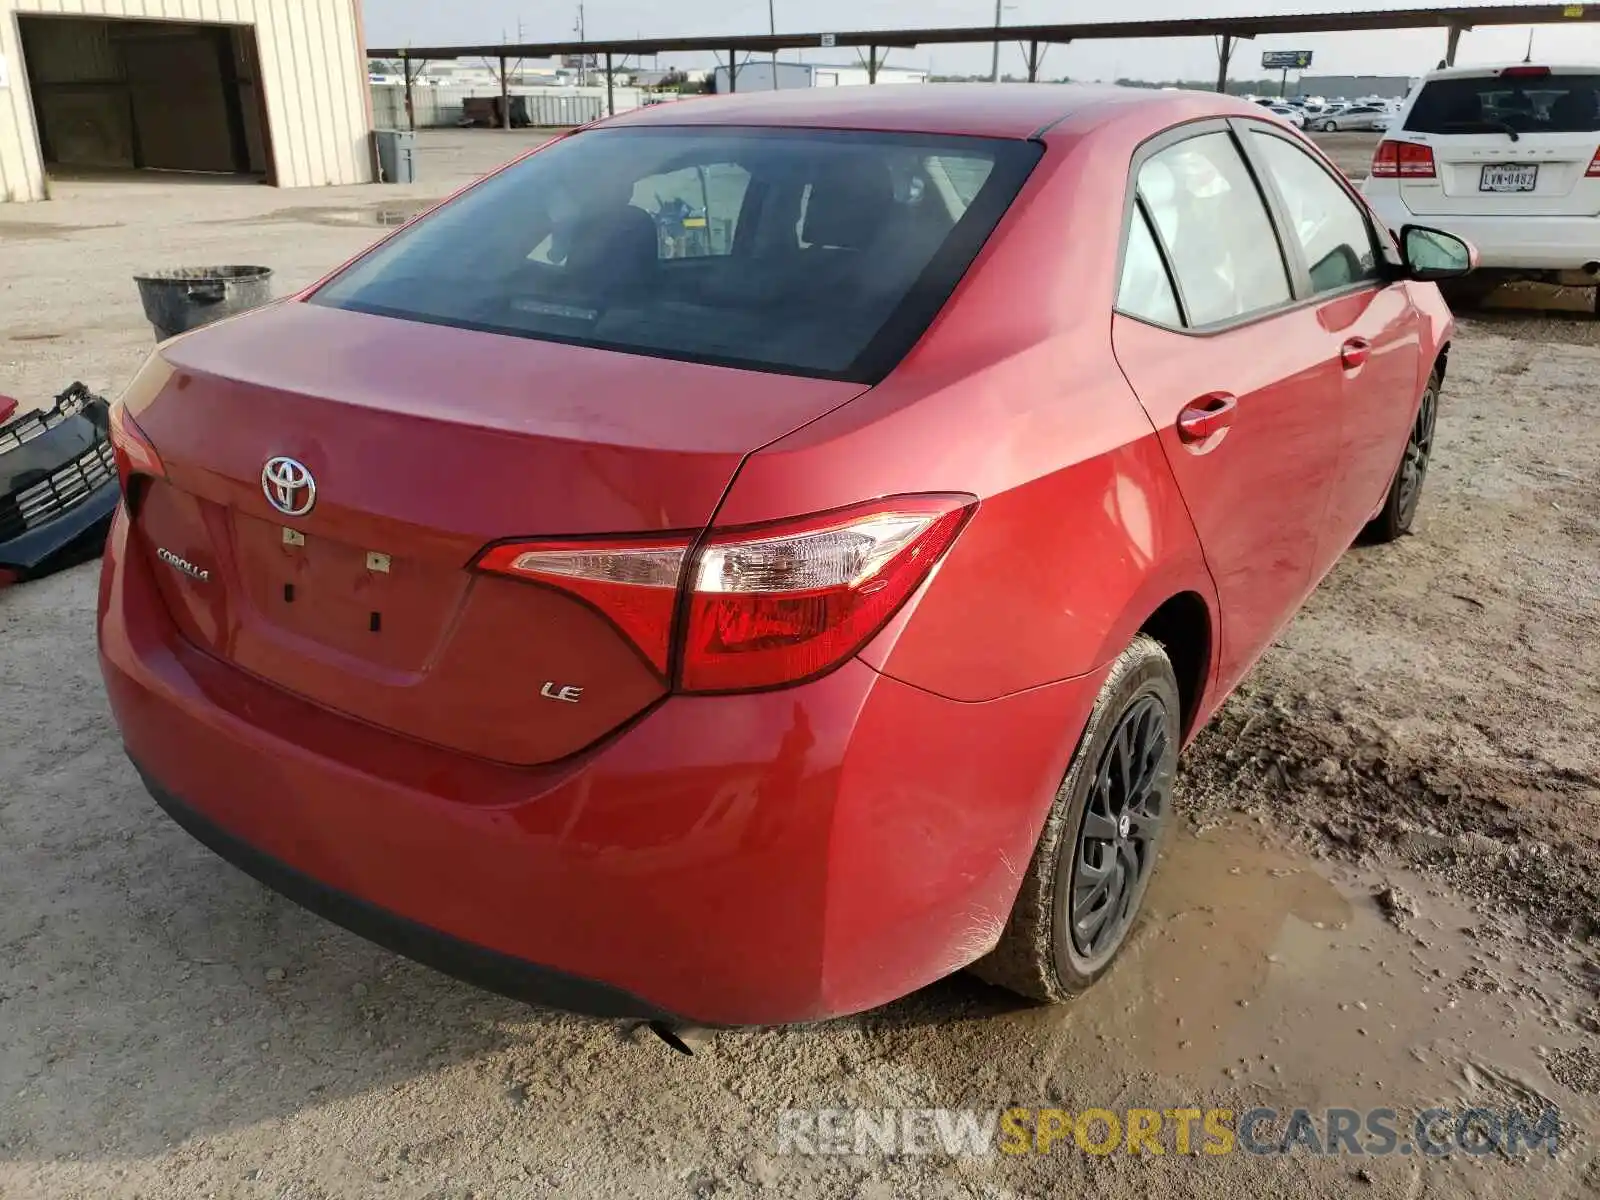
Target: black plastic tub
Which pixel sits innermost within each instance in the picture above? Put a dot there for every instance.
(185, 298)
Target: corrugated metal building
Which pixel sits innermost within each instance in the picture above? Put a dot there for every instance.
(275, 89)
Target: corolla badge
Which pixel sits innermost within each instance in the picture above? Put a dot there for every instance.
(182, 564)
(288, 486)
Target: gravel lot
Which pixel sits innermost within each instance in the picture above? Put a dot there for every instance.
(1385, 894)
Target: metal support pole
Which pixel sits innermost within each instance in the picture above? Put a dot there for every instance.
(994, 63)
(1452, 45)
(1224, 56)
(772, 28)
(872, 64)
(1033, 62)
(733, 70)
(411, 107)
(505, 96)
(611, 97)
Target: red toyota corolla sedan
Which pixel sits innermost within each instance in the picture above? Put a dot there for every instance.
(753, 557)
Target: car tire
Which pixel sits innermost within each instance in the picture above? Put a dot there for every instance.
(1330, 127)
(1101, 823)
(1405, 490)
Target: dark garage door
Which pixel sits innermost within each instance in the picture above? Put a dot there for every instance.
(157, 95)
(180, 108)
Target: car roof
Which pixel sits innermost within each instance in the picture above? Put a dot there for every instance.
(1020, 110)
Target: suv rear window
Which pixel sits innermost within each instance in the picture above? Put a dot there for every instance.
(800, 251)
(1519, 104)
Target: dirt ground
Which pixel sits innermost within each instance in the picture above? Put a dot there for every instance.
(1384, 893)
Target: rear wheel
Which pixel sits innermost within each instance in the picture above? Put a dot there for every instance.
(1405, 491)
(1101, 840)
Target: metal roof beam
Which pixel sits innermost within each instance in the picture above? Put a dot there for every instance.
(1235, 27)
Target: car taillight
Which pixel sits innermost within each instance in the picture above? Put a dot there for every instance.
(133, 450)
(632, 581)
(781, 603)
(1594, 167)
(1403, 160)
(768, 605)
(1524, 71)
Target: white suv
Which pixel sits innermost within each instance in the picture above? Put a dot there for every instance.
(1506, 157)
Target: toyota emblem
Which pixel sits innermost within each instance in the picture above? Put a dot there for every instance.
(288, 486)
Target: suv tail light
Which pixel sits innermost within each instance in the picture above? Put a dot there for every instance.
(764, 606)
(1524, 71)
(1594, 167)
(1403, 160)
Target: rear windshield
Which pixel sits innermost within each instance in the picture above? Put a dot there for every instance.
(807, 252)
(1531, 104)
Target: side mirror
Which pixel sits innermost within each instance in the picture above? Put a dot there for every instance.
(1432, 254)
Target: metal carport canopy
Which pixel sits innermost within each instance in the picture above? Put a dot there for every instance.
(1459, 17)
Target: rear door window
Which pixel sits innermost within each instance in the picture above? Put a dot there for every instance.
(1146, 289)
(1328, 225)
(1213, 222)
(814, 252)
(1551, 103)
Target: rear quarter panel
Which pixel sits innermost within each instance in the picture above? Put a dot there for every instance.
(1014, 396)
(1437, 327)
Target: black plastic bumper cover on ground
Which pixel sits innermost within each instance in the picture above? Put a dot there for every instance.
(485, 968)
(58, 485)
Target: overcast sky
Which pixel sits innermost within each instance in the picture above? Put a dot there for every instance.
(434, 22)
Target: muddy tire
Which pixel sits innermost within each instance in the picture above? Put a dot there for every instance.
(1405, 490)
(1101, 840)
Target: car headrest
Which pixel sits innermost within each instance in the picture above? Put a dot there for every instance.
(849, 206)
(1576, 108)
(614, 241)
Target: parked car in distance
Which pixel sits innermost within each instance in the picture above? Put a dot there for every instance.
(1292, 115)
(759, 633)
(1507, 157)
(1357, 116)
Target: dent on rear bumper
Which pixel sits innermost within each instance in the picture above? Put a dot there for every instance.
(783, 856)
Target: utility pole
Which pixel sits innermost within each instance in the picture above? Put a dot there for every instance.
(583, 55)
(772, 28)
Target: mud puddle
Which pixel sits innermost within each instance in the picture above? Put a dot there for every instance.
(372, 216)
(1261, 979)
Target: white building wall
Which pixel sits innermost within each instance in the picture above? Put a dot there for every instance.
(550, 107)
(755, 75)
(848, 76)
(313, 67)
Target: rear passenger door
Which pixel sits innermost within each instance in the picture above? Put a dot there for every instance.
(1370, 332)
(1231, 365)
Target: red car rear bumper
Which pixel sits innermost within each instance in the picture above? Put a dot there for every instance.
(753, 859)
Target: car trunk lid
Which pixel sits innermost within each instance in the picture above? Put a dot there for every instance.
(426, 444)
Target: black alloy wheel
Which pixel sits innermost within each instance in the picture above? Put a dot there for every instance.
(1419, 449)
(1116, 846)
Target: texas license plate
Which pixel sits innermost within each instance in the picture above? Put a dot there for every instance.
(1506, 177)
